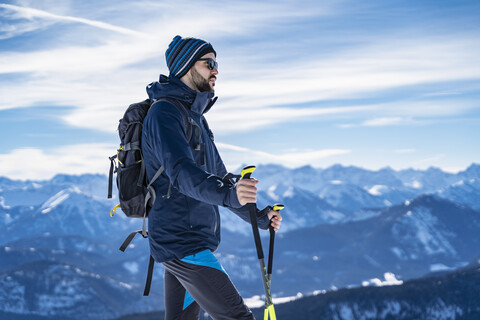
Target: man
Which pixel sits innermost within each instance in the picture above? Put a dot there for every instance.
(184, 223)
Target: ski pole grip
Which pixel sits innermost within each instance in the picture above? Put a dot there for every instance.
(278, 206)
(247, 172)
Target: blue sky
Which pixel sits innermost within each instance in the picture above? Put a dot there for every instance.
(364, 83)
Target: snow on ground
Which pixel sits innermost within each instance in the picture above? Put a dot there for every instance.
(2, 203)
(440, 267)
(54, 201)
(414, 184)
(442, 311)
(271, 192)
(377, 190)
(289, 193)
(421, 228)
(399, 253)
(259, 301)
(390, 280)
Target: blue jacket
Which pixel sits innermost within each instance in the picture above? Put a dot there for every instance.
(189, 221)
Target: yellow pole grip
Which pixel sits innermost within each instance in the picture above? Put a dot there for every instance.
(248, 169)
(278, 207)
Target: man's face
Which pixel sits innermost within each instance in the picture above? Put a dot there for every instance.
(202, 77)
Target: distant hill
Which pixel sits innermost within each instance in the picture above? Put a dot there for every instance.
(451, 296)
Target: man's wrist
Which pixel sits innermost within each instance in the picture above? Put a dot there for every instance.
(232, 198)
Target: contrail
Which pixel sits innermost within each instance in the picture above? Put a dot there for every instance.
(29, 13)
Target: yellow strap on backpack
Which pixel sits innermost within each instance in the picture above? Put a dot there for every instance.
(112, 212)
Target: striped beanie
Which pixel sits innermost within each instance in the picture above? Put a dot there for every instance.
(182, 53)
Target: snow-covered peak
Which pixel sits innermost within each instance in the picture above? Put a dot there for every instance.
(415, 184)
(377, 190)
(271, 192)
(458, 183)
(60, 197)
(2, 203)
(289, 193)
(277, 192)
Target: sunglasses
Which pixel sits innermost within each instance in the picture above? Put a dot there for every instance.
(211, 63)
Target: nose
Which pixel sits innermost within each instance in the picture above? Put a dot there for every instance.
(214, 71)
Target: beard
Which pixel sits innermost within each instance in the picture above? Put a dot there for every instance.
(202, 84)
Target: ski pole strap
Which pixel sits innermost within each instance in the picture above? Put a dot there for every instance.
(227, 179)
(129, 239)
(264, 211)
(148, 283)
(252, 208)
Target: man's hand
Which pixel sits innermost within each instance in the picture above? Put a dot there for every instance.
(247, 191)
(275, 219)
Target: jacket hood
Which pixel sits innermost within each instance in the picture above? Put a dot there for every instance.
(172, 87)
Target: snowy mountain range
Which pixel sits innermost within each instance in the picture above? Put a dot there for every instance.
(342, 226)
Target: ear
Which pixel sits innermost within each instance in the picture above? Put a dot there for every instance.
(187, 75)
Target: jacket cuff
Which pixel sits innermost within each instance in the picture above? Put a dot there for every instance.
(231, 200)
(263, 222)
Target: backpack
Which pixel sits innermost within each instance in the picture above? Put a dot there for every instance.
(135, 193)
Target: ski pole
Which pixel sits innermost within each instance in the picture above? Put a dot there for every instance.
(276, 207)
(269, 310)
(252, 208)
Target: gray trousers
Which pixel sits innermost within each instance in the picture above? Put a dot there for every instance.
(189, 286)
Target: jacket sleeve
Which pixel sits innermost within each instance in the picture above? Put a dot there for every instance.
(263, 222)
(242, 212)
(165, 134)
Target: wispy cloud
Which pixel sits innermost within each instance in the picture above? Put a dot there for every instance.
(93, 158)
(430, 160)
(31, 13)
(107, 77)
(227, 119)
(378, 122)
(410, 112)
(61, 79)
(357, 71)
(235, 156)
(34, 163)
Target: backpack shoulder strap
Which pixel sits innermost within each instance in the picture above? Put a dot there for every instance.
(183, 110)
(189, 123)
